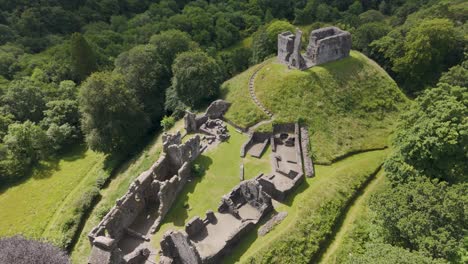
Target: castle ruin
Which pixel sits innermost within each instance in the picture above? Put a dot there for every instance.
(325, 45)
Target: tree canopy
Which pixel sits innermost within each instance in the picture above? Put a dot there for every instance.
(112, 117)
(196, 77)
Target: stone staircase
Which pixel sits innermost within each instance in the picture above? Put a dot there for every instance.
(252, 91)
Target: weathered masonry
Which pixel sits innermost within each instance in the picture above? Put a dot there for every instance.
(325, 45)
(123, 235)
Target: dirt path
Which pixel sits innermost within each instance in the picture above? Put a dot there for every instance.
(351, 216)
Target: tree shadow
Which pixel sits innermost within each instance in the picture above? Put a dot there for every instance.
(45, 169)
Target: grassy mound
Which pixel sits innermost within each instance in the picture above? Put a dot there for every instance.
(349, 105)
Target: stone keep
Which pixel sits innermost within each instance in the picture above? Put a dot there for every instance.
(325, 45)
(328, 44)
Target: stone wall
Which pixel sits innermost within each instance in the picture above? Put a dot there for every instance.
(215, 110)
(254, 138)
(328, 44)
(325, 45)
(156, 188)
(179, 247)
(308, 164)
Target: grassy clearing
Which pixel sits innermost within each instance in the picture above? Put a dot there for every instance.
(243, 111)
(47, 205)
(344, 242)
(221, 174)
(312, 213)
(116, 188)
(349, 105)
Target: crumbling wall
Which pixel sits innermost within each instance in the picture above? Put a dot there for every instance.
(285, 46)
(177, 247)
(328, 44)
(297, 146)
(254, 138)
(308, 164)
(156, 188)
(325, 45)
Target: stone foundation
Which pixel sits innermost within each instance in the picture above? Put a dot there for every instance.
(207, 240)
(154, 190)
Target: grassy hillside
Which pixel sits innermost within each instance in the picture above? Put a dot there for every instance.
(348, 240)
(49, 203)
(243, 111)
(349, 105)
(312, 212)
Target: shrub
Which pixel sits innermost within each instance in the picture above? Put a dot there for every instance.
(197, 170)
(167, 122)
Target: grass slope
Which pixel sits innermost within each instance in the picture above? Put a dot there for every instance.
(221, 174)
(312, 211)
(40, 206)
(344, 244)
(243, 111)
(349, 105)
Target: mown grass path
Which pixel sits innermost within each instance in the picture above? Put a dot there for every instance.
(353, 213)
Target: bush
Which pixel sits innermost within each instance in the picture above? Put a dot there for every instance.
(84, 203)
(198, 170)
(19, 250)
(167, 122)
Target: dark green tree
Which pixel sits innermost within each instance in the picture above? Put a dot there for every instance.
(112, 118)
(457, 75)
(83, 59)
(429, 48)
(424, 215)
(367, 33)
(196, 77)
(147, 77)
(168, 44)
(432, 137)
(385, 254)
(25, 100)
(26, 143)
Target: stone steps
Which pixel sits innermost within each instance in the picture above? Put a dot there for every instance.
(252, 91)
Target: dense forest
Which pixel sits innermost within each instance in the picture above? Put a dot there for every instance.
(108, 73)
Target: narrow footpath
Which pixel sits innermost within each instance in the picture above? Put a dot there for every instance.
(351, 216)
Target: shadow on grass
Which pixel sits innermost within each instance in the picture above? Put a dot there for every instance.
(45, 169)
(178, 214)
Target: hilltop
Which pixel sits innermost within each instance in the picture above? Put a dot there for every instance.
(349, 105)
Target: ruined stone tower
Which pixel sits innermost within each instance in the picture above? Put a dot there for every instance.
(325, 45)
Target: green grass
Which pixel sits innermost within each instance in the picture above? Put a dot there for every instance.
(222, 168)
(347, 240)
(243, 111)
(349, 105)
(312, 212)
(40, 206)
